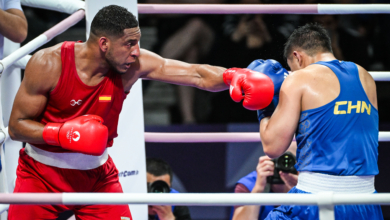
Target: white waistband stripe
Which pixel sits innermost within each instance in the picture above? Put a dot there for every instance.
(76, 161)
(318, 182)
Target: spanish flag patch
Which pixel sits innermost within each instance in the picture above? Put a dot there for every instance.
(105, 98)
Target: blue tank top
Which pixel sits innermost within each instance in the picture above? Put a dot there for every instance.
(341, 137)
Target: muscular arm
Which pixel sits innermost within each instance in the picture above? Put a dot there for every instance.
(13, 25)
(277, 132)
(40, 78)
(206, 77)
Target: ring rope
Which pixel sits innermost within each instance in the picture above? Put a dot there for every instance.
(380, 76)
(22, 62)
(70, 6)
(263, 9)
(208, 137)
(221, 137)
(193, 199)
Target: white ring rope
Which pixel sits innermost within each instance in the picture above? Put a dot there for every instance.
(263, 8)
(353, 8)
(70, 6)
(193, 199)
(206, 137)
(22, 62)
(380, 76)
(221, 137)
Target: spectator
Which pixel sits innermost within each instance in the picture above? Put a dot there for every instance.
(256, 182)
(158, 169)
(13, 23)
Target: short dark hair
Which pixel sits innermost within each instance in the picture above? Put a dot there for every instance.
(112, 20)
(158, 167)
(312, 38)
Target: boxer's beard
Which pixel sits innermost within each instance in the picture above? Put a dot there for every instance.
(113, 64)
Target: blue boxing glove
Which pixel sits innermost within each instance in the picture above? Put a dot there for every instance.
(274, 70)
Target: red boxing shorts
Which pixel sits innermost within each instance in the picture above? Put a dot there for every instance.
(33, 176)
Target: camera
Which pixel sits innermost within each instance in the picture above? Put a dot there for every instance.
(284, 163)
(158, 186)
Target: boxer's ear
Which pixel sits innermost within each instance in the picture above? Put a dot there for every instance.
(103, 44)
(299, 59)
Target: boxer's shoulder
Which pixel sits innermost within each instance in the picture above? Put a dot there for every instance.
(44, 67)
(315, 69)
(296, 83)
(298, 77)
(310, 74)
(369, 85)
(46, 58)
(364, 75)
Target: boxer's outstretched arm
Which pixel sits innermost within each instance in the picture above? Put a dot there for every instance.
(277, 131)
(40, 78)
(206, 77)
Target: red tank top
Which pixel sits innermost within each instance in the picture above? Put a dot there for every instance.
(72, 98)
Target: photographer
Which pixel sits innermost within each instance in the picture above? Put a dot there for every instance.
(159, 178)
(263, 180)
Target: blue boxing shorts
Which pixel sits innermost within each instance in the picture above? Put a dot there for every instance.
(342, 212)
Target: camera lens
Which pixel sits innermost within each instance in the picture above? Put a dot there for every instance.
(286, 162)
(159, 186)
(283, 163)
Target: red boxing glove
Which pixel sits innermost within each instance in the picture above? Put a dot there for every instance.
(257, 87)
(85, 134)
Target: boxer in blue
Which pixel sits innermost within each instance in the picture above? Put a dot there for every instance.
(331, 107)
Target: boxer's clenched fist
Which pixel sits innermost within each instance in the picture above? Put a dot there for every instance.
(85, 134)
(258, 88)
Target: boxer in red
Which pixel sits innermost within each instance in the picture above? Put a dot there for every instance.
(68, 105)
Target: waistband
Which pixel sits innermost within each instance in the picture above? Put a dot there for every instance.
(318, 182)
(77, 161)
